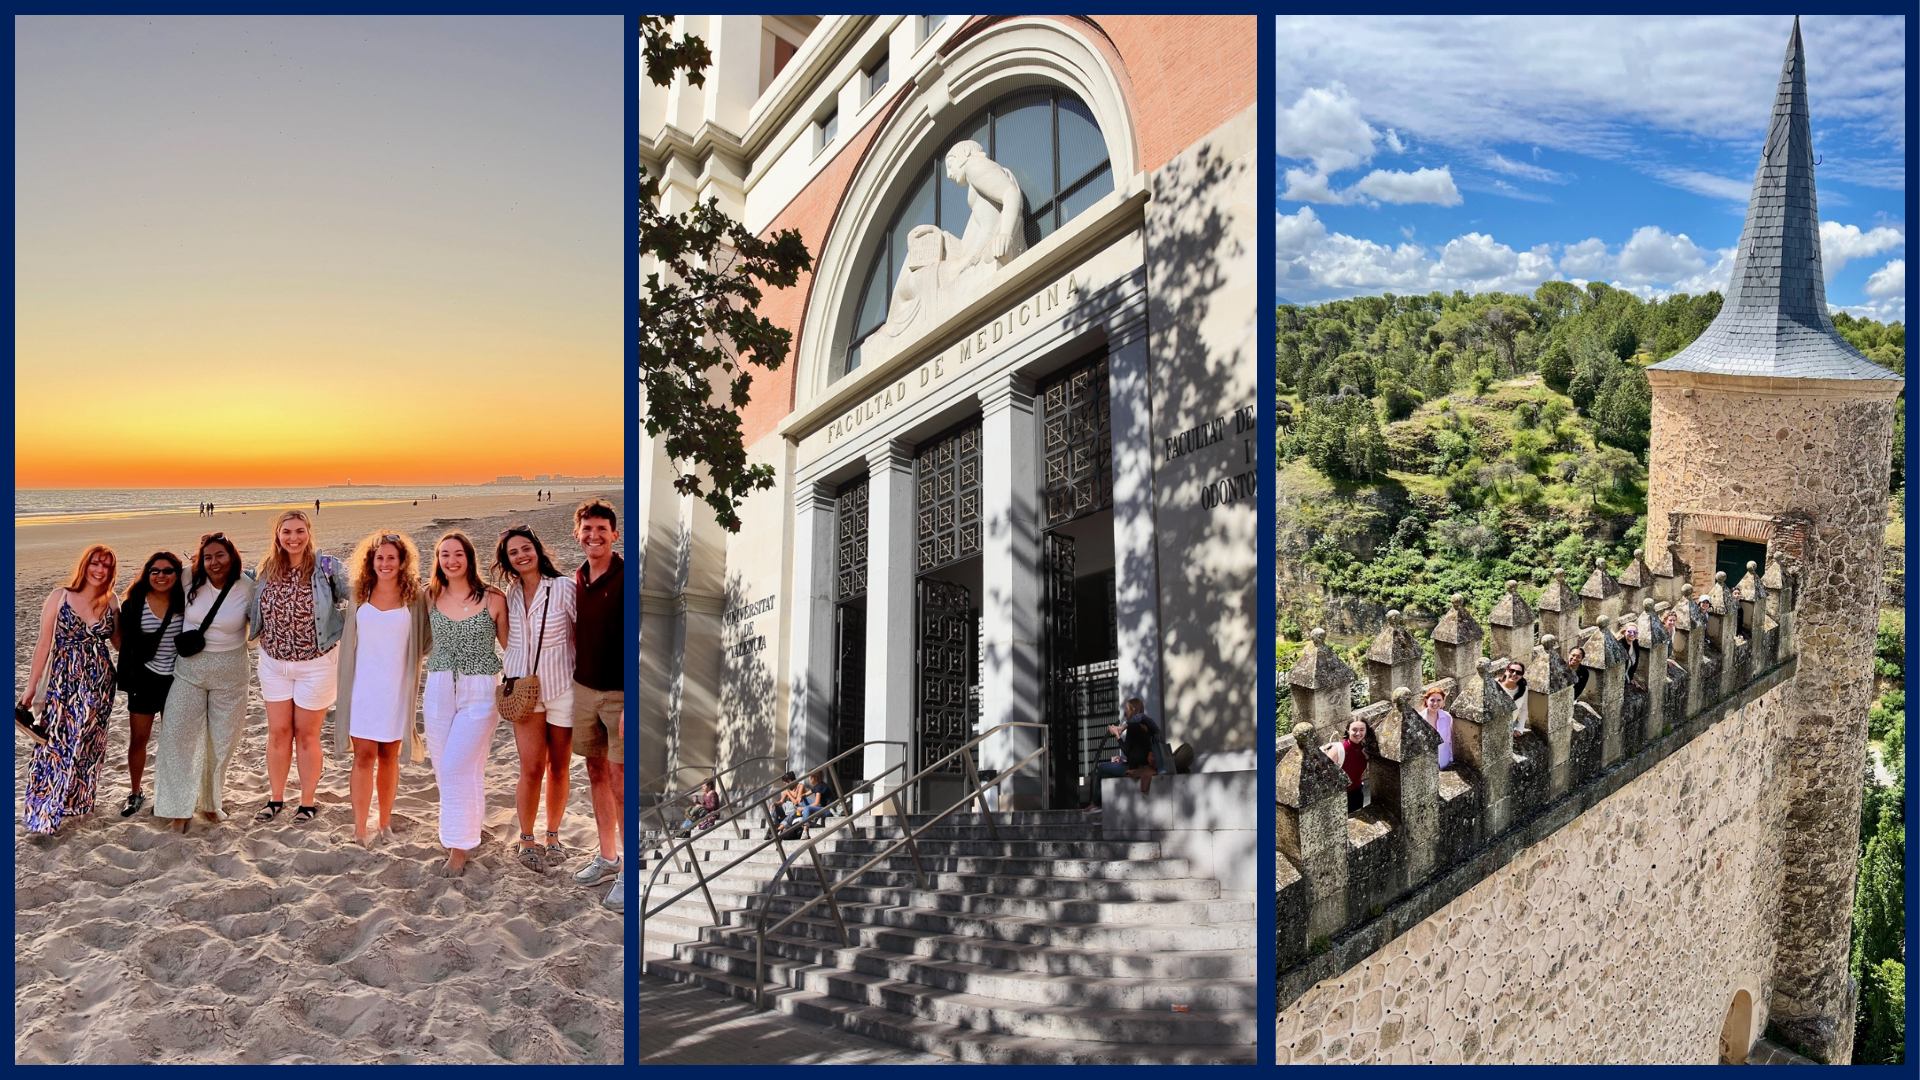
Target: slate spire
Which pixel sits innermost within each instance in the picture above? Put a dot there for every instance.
(1774, 322)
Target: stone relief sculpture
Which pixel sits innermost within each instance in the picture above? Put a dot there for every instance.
(942, 271)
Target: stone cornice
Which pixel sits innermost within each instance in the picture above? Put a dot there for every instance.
(1773, 387)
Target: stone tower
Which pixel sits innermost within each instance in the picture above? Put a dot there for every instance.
(1772, 429)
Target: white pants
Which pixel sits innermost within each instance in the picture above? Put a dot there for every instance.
(460, 716)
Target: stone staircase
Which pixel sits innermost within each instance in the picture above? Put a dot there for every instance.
(1049, 945)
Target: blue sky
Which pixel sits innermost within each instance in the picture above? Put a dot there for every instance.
(1498, 152)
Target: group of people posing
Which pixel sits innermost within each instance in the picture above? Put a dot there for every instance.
(1351, 752)
(540, 647)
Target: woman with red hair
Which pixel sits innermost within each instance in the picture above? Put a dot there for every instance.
(75, 654)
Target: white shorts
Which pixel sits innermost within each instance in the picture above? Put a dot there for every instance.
(560, 707)
(309, 684)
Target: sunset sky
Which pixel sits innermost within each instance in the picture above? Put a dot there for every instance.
(297, 250)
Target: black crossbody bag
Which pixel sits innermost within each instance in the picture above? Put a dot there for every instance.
(193, 642)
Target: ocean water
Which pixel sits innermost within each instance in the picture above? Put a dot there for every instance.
(33, 506)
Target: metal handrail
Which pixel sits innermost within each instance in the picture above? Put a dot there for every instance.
(720, 784)
(912, 833)
(740, 809)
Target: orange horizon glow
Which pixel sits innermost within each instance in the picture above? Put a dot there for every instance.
(274, 252)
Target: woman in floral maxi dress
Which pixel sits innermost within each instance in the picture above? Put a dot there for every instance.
(76, 638)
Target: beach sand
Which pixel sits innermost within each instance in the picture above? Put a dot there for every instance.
(286, 943)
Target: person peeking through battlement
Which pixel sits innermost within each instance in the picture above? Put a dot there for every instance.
(1630, 637)
(1576, 659)
(1513, 681)
(1431, 710)
(1350, 754)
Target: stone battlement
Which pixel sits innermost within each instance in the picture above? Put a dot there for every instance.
(1349, 882)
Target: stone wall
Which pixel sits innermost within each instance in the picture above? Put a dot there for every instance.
(1817, 450)
(1623, 937)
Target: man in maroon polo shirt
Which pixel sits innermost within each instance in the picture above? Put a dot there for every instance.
(599, 687)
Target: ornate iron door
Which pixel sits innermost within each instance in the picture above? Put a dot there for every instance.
(1063, 727)
(946, 639)
(849, 690)
(947, 472)
(1079, 443)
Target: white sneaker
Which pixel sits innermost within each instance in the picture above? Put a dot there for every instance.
(596, 871)
(617, 896)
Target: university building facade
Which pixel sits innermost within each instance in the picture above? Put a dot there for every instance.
(1014, 441)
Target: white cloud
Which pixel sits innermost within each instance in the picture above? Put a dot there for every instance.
(1841, 243)
(1315, 264)
(1306, 186)
(1888, 289)
(1591, 84)
(1419, 186)
(1587, 259)
(1499, 162)
(1325, 127)
(1706, 183)
(1653, 254)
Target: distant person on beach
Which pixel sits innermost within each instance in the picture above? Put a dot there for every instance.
(469, 620)
(382, 646)
(540, 618)
(599, 687)
(206, 707)
(74, 653)
(151, 617)
(297, 615)
(316, 506)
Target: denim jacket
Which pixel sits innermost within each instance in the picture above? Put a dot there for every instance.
(330, 596)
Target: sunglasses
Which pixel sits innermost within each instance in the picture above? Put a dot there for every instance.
(211, 537)
(164, 571)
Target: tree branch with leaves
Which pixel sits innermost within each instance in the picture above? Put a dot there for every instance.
(700, 334)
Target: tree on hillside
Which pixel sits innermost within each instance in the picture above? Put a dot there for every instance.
(1604, 470)
(1506, 324)
(699, 333)
(1623, 409)
(1879, 940)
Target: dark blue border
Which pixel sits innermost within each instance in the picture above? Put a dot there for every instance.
(1264, 576)
(631, 811)
(1913, 446)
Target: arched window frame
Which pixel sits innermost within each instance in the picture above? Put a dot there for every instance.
(1068, 196)
(1017, 53)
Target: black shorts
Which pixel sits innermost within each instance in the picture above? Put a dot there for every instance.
(146, 691)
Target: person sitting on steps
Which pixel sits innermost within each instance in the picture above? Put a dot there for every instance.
(1136, 732)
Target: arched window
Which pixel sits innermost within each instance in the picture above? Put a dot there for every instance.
(1049, 139)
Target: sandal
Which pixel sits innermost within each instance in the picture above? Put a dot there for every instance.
(531, 855)
(134, 802)
(270, 811)
(306, 814)
(555, 853)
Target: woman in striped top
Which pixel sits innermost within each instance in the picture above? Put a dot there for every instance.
(150, 620)
(540, 616)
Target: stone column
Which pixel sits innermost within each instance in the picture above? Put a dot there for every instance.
(1483, 740)
(1321, 685)
(1136, 576)
(810, 635)
(1753, 602)
(1405, 777)
(1393, 660)
(1655, 645)
(1600, 595)
(1010, 589)
(1559, 610)
(1606, 657)
(1670, 571)
(1778, 583)
(1310, 824)
(1691, 629)
(892, 638)
(1512, 622)
(1550, 710)
(1456, 642)
(1636, 585)
(1722, 630)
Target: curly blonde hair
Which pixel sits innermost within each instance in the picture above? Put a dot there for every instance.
(361, 563)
